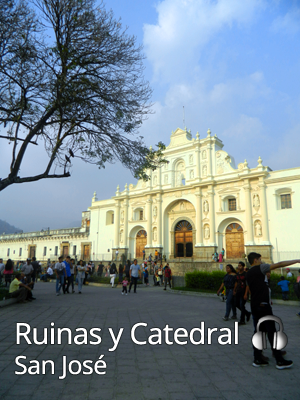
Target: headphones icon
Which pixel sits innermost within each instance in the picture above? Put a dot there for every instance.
(259, 338)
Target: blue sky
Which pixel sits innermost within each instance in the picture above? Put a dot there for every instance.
(234, 65)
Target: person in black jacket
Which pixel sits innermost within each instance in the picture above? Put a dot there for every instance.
(257, 284)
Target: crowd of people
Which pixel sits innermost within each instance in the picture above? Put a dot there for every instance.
(218, 257)
(67, 272)
(21, 278)
(255, 282)
(239, 285)
(132, 272)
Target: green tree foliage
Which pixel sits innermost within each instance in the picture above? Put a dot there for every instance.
(71, 78)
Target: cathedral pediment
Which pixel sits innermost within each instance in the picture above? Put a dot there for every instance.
(180, 137)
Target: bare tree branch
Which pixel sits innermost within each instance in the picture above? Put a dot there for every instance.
(83, 93)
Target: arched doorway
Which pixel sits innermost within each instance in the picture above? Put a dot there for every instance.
(234, 241)
(141, 241)
(183, 239)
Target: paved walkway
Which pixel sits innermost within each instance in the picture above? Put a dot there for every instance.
(141, 372)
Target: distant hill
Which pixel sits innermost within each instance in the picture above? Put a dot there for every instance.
(5, 227)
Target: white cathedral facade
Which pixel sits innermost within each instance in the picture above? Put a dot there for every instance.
(196, 204)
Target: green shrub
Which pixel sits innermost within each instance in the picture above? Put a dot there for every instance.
(3, 293)
(211, 281)
(204, 280)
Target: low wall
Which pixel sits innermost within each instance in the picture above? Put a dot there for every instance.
(182, 267)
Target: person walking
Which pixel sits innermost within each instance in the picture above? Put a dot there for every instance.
(72, 270)
(113, 274)
(36, 267)
(8, 272)
(60, 272)
(284, 284)
(27, 270)
(100, 270)
(229, 282)
(168, 276)
(261, 307)
(160, 274)
(121, 271)
(80, 275)
(145, 273)
(135, 273)
(239, 293)
(124, 286)
(67, 282)
(127, 269)
(2, 268)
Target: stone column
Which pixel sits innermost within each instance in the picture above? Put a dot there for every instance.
(149, 220)
(126, 223)
(212, 214)
(209, 169)
(117, 224)
(159, 172)
(198, 175)
(238, 206)
(248, 210)
(209, 155)
(199, 233)
(264, 211)
(159, 220)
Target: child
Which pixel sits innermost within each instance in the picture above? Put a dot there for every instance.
(284, 287)
(157, 279)
(124, 284)
(145, 273)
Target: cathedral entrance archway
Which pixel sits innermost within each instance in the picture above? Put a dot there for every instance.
(234, 237)
(141, 242)
(183, 239)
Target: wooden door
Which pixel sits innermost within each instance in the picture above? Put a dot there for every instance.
(183, 239)
(65, 251)
(234, 241)
(86, 251)
(31, 251)
(141, 241)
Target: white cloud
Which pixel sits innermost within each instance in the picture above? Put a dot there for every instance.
(185, 26)
(286, 152)
(288, 23)
(220, 108)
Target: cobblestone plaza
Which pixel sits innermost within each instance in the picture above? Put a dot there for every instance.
(141, 372)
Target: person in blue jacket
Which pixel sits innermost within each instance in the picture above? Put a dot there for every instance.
(284, 287)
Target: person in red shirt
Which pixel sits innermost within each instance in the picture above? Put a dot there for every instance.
(168, 276)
